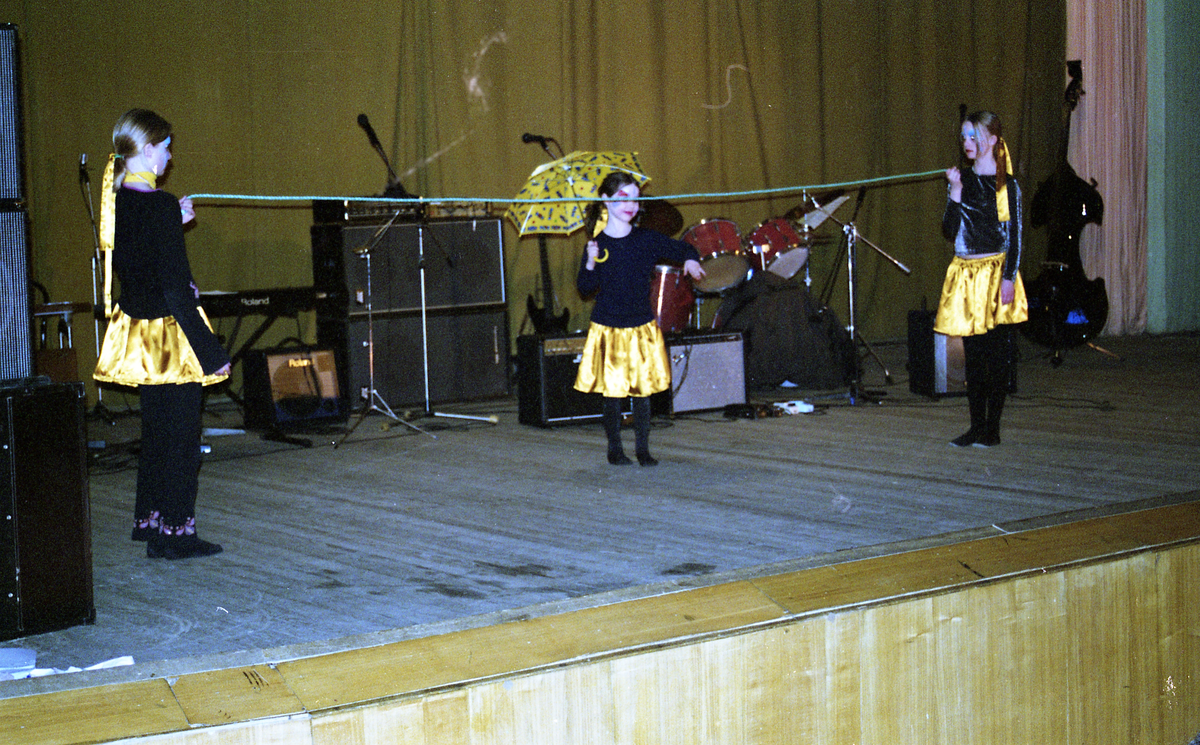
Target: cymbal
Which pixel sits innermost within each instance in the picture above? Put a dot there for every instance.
(813, 210)
(660, 215)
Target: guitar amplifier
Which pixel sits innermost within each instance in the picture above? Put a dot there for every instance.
(936, 366)
(708, 371)
(292, 388)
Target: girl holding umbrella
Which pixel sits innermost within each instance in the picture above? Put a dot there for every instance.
(624, 354)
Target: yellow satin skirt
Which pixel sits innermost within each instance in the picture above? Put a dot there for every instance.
(620, 362)
(970, 303)
(149, 351)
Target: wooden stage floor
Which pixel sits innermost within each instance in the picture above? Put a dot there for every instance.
(398, 533)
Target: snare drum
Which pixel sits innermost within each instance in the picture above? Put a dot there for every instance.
(672, 298)
(719, 243)
(776, 247)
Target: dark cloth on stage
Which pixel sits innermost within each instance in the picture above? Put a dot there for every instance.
(788, 336)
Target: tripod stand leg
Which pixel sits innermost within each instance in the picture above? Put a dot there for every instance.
(1102, 350)
(887, 376)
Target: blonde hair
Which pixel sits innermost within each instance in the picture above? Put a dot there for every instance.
(135, 129)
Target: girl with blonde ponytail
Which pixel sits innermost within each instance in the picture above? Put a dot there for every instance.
(157, 338)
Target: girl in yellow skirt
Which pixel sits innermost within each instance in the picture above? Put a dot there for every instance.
(624, 354)
(983, 296)
(157, 337)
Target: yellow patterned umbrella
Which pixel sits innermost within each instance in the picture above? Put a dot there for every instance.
(574, 177)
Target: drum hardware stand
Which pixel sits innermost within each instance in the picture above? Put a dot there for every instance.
(374, 401)
(852, 239)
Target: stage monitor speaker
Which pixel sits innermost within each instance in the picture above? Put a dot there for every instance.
(708, 371)
(11, 172)
(464, 264)
(936, 365)
(468, 356)
(291, 389)
(16, 346)
(45, 520)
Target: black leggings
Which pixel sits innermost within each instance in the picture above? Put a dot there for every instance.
(169, 463)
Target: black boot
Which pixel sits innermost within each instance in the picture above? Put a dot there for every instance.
(641, 429)
(612, 429)
(977, 404)
(991, 429)
(172, 547)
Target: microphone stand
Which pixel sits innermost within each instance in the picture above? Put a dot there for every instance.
(99, 411)
(852, 239)
(375, 401)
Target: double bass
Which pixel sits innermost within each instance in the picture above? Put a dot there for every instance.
(1066, 308)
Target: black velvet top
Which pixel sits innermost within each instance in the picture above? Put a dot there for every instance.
(622, 283)
(150, 260)
(974, 226)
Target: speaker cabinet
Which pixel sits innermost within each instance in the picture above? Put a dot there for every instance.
(936, 366)
(11, 171)
(708, 371)
(45, 520)
(468, 355)
(291, 389)
(16, 346)
(463, 260)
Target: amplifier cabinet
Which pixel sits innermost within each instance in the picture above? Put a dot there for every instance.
(708, 371)
(291, 388)
(45, 519)
(468, 354)
(936, 366)
(463, 260)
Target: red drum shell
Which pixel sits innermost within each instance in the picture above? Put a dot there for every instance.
(672, 299)
(777, 247)
(719, 243)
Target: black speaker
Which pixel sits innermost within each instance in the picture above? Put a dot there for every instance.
(291, 389)
(936, 364)
(547, 366)
(708, 371)
(11, 172)
(45, 520)
(463, 260)
(16, 346)
(468, 355)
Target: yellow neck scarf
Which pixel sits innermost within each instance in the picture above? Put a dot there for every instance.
(145, 177)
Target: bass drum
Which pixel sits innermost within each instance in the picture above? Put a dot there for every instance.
(719, 243)
(777, 247)
(672, 298)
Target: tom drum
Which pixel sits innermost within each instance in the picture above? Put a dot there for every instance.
(719, 243)
(672, 298)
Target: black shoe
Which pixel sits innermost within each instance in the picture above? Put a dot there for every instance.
(645, 459)
(618, 458)
(988, 440)
(141, 535)
(180, 547)
(966, 439)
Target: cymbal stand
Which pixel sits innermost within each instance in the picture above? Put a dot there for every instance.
(852, 239)
(374, 401)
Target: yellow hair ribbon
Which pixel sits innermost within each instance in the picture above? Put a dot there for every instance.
(601, 221)
(1002, 211)
(108, 228)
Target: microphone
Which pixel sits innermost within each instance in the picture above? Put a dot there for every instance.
(528, 138)
(366, 125)
(83, 172)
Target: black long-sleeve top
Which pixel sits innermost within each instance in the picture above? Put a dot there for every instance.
(974, 226)
(622, 282)
(150, 260)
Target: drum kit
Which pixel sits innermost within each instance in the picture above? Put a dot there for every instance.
(779, 245)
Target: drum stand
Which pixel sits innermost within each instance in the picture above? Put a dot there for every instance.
(852, 239)
(374, 401)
